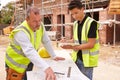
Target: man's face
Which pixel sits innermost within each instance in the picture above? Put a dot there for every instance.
(34, 21)
(77, 14)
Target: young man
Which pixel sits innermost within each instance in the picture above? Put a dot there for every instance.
(85, 36)
(22, 51)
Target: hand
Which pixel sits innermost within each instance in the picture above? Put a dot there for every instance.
(59, 58)
(63, 40)
(77, 47)
(50, 74)
(67, 46)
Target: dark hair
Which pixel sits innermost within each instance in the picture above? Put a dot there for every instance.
(75, 4)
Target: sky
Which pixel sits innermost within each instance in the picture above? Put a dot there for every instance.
(4, 2)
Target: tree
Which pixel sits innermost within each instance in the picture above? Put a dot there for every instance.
(7, 13)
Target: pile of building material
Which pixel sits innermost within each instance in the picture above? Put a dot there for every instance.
(114, 7)
(7, 30)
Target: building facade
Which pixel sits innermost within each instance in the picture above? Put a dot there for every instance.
(56, 17)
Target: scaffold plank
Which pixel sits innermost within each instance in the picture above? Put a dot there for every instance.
(114, 7)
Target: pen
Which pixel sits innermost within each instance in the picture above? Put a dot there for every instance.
(69, 72)
(59, 73)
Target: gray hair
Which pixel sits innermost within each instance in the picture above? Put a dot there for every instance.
(33, 9)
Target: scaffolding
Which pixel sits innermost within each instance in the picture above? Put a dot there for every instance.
(114, 8)
(21, 6)
(90, 7)
(61, 5)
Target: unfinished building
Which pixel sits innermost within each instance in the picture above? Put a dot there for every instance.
(57, 18)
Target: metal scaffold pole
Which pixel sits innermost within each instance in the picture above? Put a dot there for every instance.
(33, 3)
(114, 34)
(25, 7)
(42, 11)
(61, 19)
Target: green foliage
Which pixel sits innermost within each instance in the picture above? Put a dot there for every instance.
(7, 13)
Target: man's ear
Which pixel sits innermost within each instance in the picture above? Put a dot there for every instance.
(27, 18)
(82, 8)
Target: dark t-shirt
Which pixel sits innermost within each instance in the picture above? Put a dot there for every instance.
(91, 33)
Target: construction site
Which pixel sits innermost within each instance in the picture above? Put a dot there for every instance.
(59, 23)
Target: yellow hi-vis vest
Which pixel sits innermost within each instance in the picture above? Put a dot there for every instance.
(15, 57)
(90, 56)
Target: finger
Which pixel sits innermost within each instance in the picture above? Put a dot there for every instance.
(56, 59)
(59, 58)
(61, 46)
(53, 77)
(48, 77)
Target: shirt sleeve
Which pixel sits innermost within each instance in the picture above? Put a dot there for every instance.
(47, 44)
(92, 30)
(22, 39)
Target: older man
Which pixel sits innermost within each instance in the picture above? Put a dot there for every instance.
(21, 54)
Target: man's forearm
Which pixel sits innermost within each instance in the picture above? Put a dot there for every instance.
(47, 44)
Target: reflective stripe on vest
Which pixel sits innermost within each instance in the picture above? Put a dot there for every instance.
(88, 51)
(13, 62)
(19, 67)
(15, 57)
(27, 31)
(17, 51)
(90, 57)
(85, 41)
(91, 53)
(14, 48)
(97, 41)
(86, 28)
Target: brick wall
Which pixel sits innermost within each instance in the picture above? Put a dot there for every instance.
(118, 29)
(107, 33)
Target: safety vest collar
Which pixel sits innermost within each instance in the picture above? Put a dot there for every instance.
(90, 56)
(35, 37)
(25, 23)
